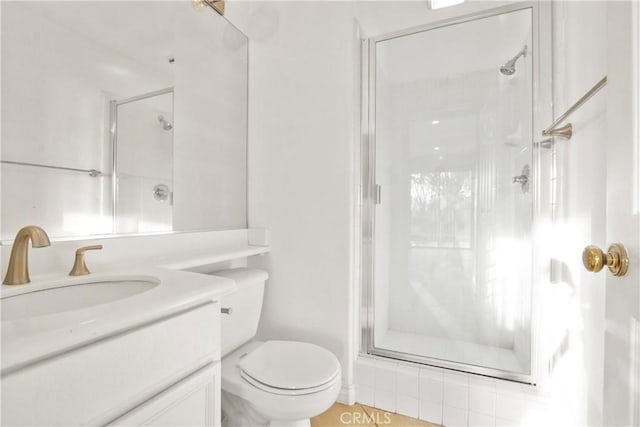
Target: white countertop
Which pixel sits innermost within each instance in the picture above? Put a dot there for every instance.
(199, 259)
(30, 339)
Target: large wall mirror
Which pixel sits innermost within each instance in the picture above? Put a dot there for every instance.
(122, 118)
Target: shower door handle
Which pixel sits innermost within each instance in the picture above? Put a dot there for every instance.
(616, 259)
(377, 194)
(523, 178)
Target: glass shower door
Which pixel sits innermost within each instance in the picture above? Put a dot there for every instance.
(455, 168)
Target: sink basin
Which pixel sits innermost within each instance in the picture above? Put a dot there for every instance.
(72, 296)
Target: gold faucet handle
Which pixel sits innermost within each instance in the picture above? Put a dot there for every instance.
(79, 266)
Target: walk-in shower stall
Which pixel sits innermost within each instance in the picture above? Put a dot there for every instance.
(451, 175)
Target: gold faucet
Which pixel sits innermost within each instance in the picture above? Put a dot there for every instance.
(18, 269)
(79, 266)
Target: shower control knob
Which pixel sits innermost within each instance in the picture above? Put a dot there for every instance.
(161, 192)
(523, 178)
(616, 259)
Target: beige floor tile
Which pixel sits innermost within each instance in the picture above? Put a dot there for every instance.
(389, 419)
(340, 415)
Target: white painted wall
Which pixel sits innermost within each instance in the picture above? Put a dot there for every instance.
(301, 160)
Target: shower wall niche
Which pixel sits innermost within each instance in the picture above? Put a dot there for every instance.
(452, 161)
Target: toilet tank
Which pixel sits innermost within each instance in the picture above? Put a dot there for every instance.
(245, 303)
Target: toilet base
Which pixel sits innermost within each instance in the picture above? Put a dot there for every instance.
(237, 412)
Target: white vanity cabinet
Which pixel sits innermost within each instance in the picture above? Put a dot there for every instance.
(194, 401)
(163, 372)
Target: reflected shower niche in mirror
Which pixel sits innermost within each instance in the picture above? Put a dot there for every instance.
(122, 118)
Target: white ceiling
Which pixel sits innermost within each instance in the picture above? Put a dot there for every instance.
(144, 30)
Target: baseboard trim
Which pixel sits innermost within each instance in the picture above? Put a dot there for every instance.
(347, 394)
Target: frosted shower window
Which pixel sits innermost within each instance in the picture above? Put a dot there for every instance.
(453, 127)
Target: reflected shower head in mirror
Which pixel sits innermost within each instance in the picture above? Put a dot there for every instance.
(509, 68)
(165, 123)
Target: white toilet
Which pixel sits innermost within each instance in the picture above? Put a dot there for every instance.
(274, 383)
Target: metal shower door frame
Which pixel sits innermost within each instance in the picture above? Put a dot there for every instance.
(542, 191)
(113, 129)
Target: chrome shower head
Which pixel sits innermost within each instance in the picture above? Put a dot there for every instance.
(165, 123)
(509, 68)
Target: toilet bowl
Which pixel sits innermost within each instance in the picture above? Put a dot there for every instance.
(275, 383)
(279, 403)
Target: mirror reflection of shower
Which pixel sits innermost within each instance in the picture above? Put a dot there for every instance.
(509, 67)
(166, 125)
(142, 143)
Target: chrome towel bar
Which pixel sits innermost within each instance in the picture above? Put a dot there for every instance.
(567, 130)
(92, 172)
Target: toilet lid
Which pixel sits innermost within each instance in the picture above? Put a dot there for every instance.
(290, 365)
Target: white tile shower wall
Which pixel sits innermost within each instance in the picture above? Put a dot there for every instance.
(446, 397)
(431, 393)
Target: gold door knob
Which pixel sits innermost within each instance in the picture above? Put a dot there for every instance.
(616, 258)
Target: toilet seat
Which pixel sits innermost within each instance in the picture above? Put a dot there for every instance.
(284, 391)
(269, 404)
(289, 368)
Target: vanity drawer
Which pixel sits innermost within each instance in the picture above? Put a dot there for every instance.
(98, 383)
